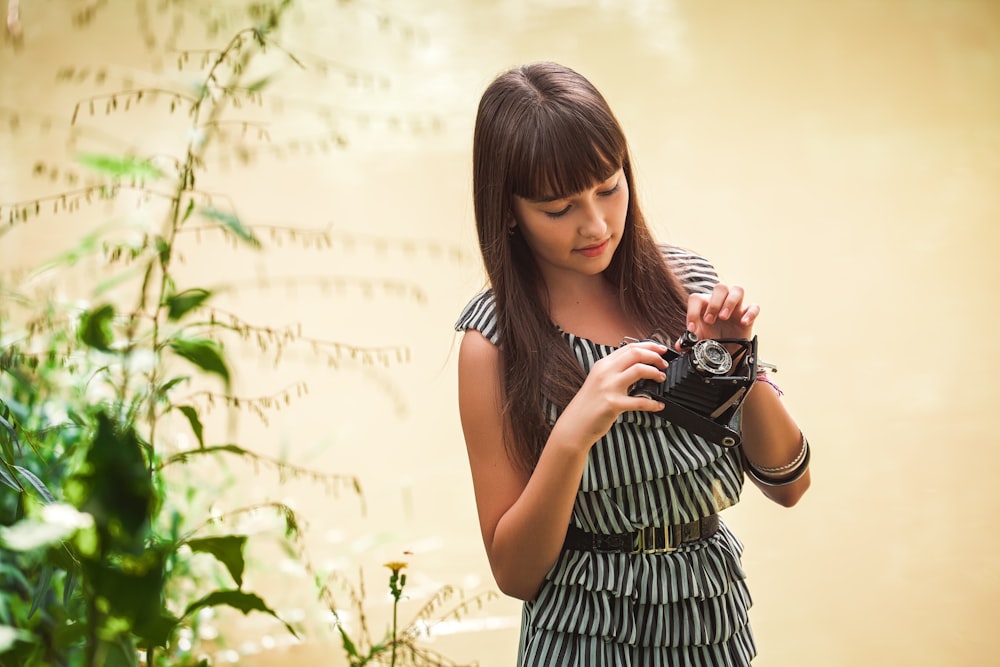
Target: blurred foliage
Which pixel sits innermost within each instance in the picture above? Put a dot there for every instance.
(98, 563)
(109, 555)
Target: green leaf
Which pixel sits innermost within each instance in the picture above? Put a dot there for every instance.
(232, 223)
(192, 417)
(69, 586)
(180, 304)
(132, 585)
(188, 211)
(157, 631)
(9, 433)
(38, 485)
(95, 327)
(227, 549)
(120, 166)
(171, 383)
(204, 353)
(184, 456)
(115, 485)
(9, 481)
(259, 84)
(349, 648)
(240, 600)
(41, 589)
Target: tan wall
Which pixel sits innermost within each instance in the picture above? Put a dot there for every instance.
(840, 160)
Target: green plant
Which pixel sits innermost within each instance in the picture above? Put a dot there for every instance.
(91, 527)
(400, 644)
(109, 549)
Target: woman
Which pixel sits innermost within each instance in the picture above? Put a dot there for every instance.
(574, 476)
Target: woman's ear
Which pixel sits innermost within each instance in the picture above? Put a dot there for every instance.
(511, 224)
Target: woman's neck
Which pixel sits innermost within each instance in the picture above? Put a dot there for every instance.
(590, 309)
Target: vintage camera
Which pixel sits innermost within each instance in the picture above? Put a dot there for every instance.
(705, 386)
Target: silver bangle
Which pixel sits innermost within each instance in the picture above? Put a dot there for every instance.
(778, 470)
(794, 474)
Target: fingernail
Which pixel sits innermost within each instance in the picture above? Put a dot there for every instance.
(724, 313)
(709, 318)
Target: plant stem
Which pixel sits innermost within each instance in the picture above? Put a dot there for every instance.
(395, 608)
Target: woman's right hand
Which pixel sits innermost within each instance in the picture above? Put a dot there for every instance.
(605, 393)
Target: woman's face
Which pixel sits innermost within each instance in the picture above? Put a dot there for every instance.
(576, 233)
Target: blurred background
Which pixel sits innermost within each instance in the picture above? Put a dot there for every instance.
(841, 161)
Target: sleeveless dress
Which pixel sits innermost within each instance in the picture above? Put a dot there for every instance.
(685, 608)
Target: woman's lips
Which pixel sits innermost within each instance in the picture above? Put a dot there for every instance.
(594, 250)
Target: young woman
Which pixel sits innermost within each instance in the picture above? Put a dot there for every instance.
(595, 510)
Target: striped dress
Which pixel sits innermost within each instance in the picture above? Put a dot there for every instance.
(683, 608)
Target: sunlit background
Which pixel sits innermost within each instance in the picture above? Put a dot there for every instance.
(841, 160)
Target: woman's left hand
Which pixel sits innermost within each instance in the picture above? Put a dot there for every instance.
(721, 314)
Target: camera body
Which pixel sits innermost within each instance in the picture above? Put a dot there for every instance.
(705, 385)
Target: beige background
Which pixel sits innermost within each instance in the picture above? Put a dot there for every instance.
(841, 160)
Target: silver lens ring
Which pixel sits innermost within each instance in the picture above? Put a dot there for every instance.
(711, 357)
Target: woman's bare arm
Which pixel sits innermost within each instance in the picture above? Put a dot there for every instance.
(524, 517)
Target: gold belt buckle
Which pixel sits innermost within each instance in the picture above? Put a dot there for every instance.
(646, 540)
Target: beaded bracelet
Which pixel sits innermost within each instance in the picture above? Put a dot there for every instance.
(763, 368)
(762, 377)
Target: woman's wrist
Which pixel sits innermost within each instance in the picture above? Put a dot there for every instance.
(775, 450)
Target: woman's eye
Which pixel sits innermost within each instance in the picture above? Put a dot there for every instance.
(611, 191)
(559, 213)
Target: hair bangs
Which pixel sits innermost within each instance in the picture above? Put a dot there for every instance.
(565, 153)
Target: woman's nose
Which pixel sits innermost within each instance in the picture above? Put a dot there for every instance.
(592, 225)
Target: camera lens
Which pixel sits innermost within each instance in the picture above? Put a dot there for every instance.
(711, 358)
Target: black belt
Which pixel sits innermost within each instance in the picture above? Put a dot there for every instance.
(649, 540)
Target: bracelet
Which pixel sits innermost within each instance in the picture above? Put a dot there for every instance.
(790, 478)
(763, 368)
(781, 475)
(762, 377)
(788, 466)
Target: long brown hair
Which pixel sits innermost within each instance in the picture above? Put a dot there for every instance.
(543, 129)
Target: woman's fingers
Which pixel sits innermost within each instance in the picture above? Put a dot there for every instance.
(721, 314)
(732, 303)
(615, 374)
(750, 314)
(722, 303)
(641, 352)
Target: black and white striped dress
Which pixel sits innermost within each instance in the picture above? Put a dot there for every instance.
(683, 608)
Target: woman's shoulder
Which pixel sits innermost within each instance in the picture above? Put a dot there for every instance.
(695, 273)
(480, 314)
